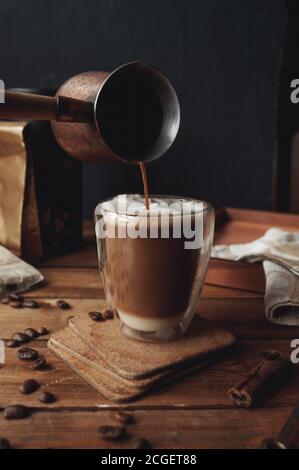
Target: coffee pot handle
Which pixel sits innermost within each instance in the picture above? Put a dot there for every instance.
(27, 106)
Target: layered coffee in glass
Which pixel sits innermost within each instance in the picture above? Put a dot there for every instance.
(153, 261)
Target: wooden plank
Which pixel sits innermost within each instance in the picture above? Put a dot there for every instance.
(194, 412)
(242, 226)
(243, 317)
(48, 315)
(237, 275)
(211, 291)
(85, 258)
(264, 218)
(70, 282)
(206, 388)
(195, 429)
(85, 282)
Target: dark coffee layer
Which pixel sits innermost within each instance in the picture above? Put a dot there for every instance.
(151, 277)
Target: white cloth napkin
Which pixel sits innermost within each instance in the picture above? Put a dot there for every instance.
(15, 274)
(279, 251)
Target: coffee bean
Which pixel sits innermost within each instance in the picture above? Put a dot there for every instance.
(42, 331)
(63, 304)
(39, 364)
(16, 297)
(5, 300)
(30, 303)
(16, 412)
(271, 355)
(124, 417)
(16, 304)
(21, 337)
(27, 354)
(143, 444)
(108, 314)
(4, 443)
(96, 316)
(29, 386)
(112, 433)
(31, 333)
(47, 397)
(13, 343)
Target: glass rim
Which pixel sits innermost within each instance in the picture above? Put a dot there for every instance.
(207, 207)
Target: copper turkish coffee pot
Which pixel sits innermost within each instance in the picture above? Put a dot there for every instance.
(129, 114)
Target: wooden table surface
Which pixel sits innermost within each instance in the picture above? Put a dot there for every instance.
(192, 413)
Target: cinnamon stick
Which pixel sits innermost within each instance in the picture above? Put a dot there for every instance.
(259, 382)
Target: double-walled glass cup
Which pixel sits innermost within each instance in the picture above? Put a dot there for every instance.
(153, 262)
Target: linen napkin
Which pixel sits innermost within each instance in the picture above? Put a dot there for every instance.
(15, 274)
(279, 252)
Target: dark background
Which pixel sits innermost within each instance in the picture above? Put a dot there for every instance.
(222, 55)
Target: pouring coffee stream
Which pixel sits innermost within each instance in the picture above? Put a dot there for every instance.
(144, 181)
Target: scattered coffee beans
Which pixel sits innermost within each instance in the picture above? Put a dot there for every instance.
(47, 397)
(16, 412)
(4, 443)
(29, 386)
(16, 297)
(17, 301)
(42, 331)
(21, 337)
(30, 303)
(108, 314)
(31, 333)
(112, 433)
(96, 316)
(13, 343)
(16, 304)
(271, 355)
(143, 444)
(124, 417)
(27, 354)
(39, 364)
(62, 304)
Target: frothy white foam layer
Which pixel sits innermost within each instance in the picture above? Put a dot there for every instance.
(148, 324)
(134, 204)
(126, 216)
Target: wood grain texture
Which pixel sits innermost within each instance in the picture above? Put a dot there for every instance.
(243, 226)
(193, 412)
(172, 429)
(123, 356)
(85, 283)
(206, 388)
(245, 317)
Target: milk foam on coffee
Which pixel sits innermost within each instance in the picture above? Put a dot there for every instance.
(134, 204)
(127, 216)
(148, 279)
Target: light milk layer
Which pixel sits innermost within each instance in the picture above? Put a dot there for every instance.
(148, 324)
